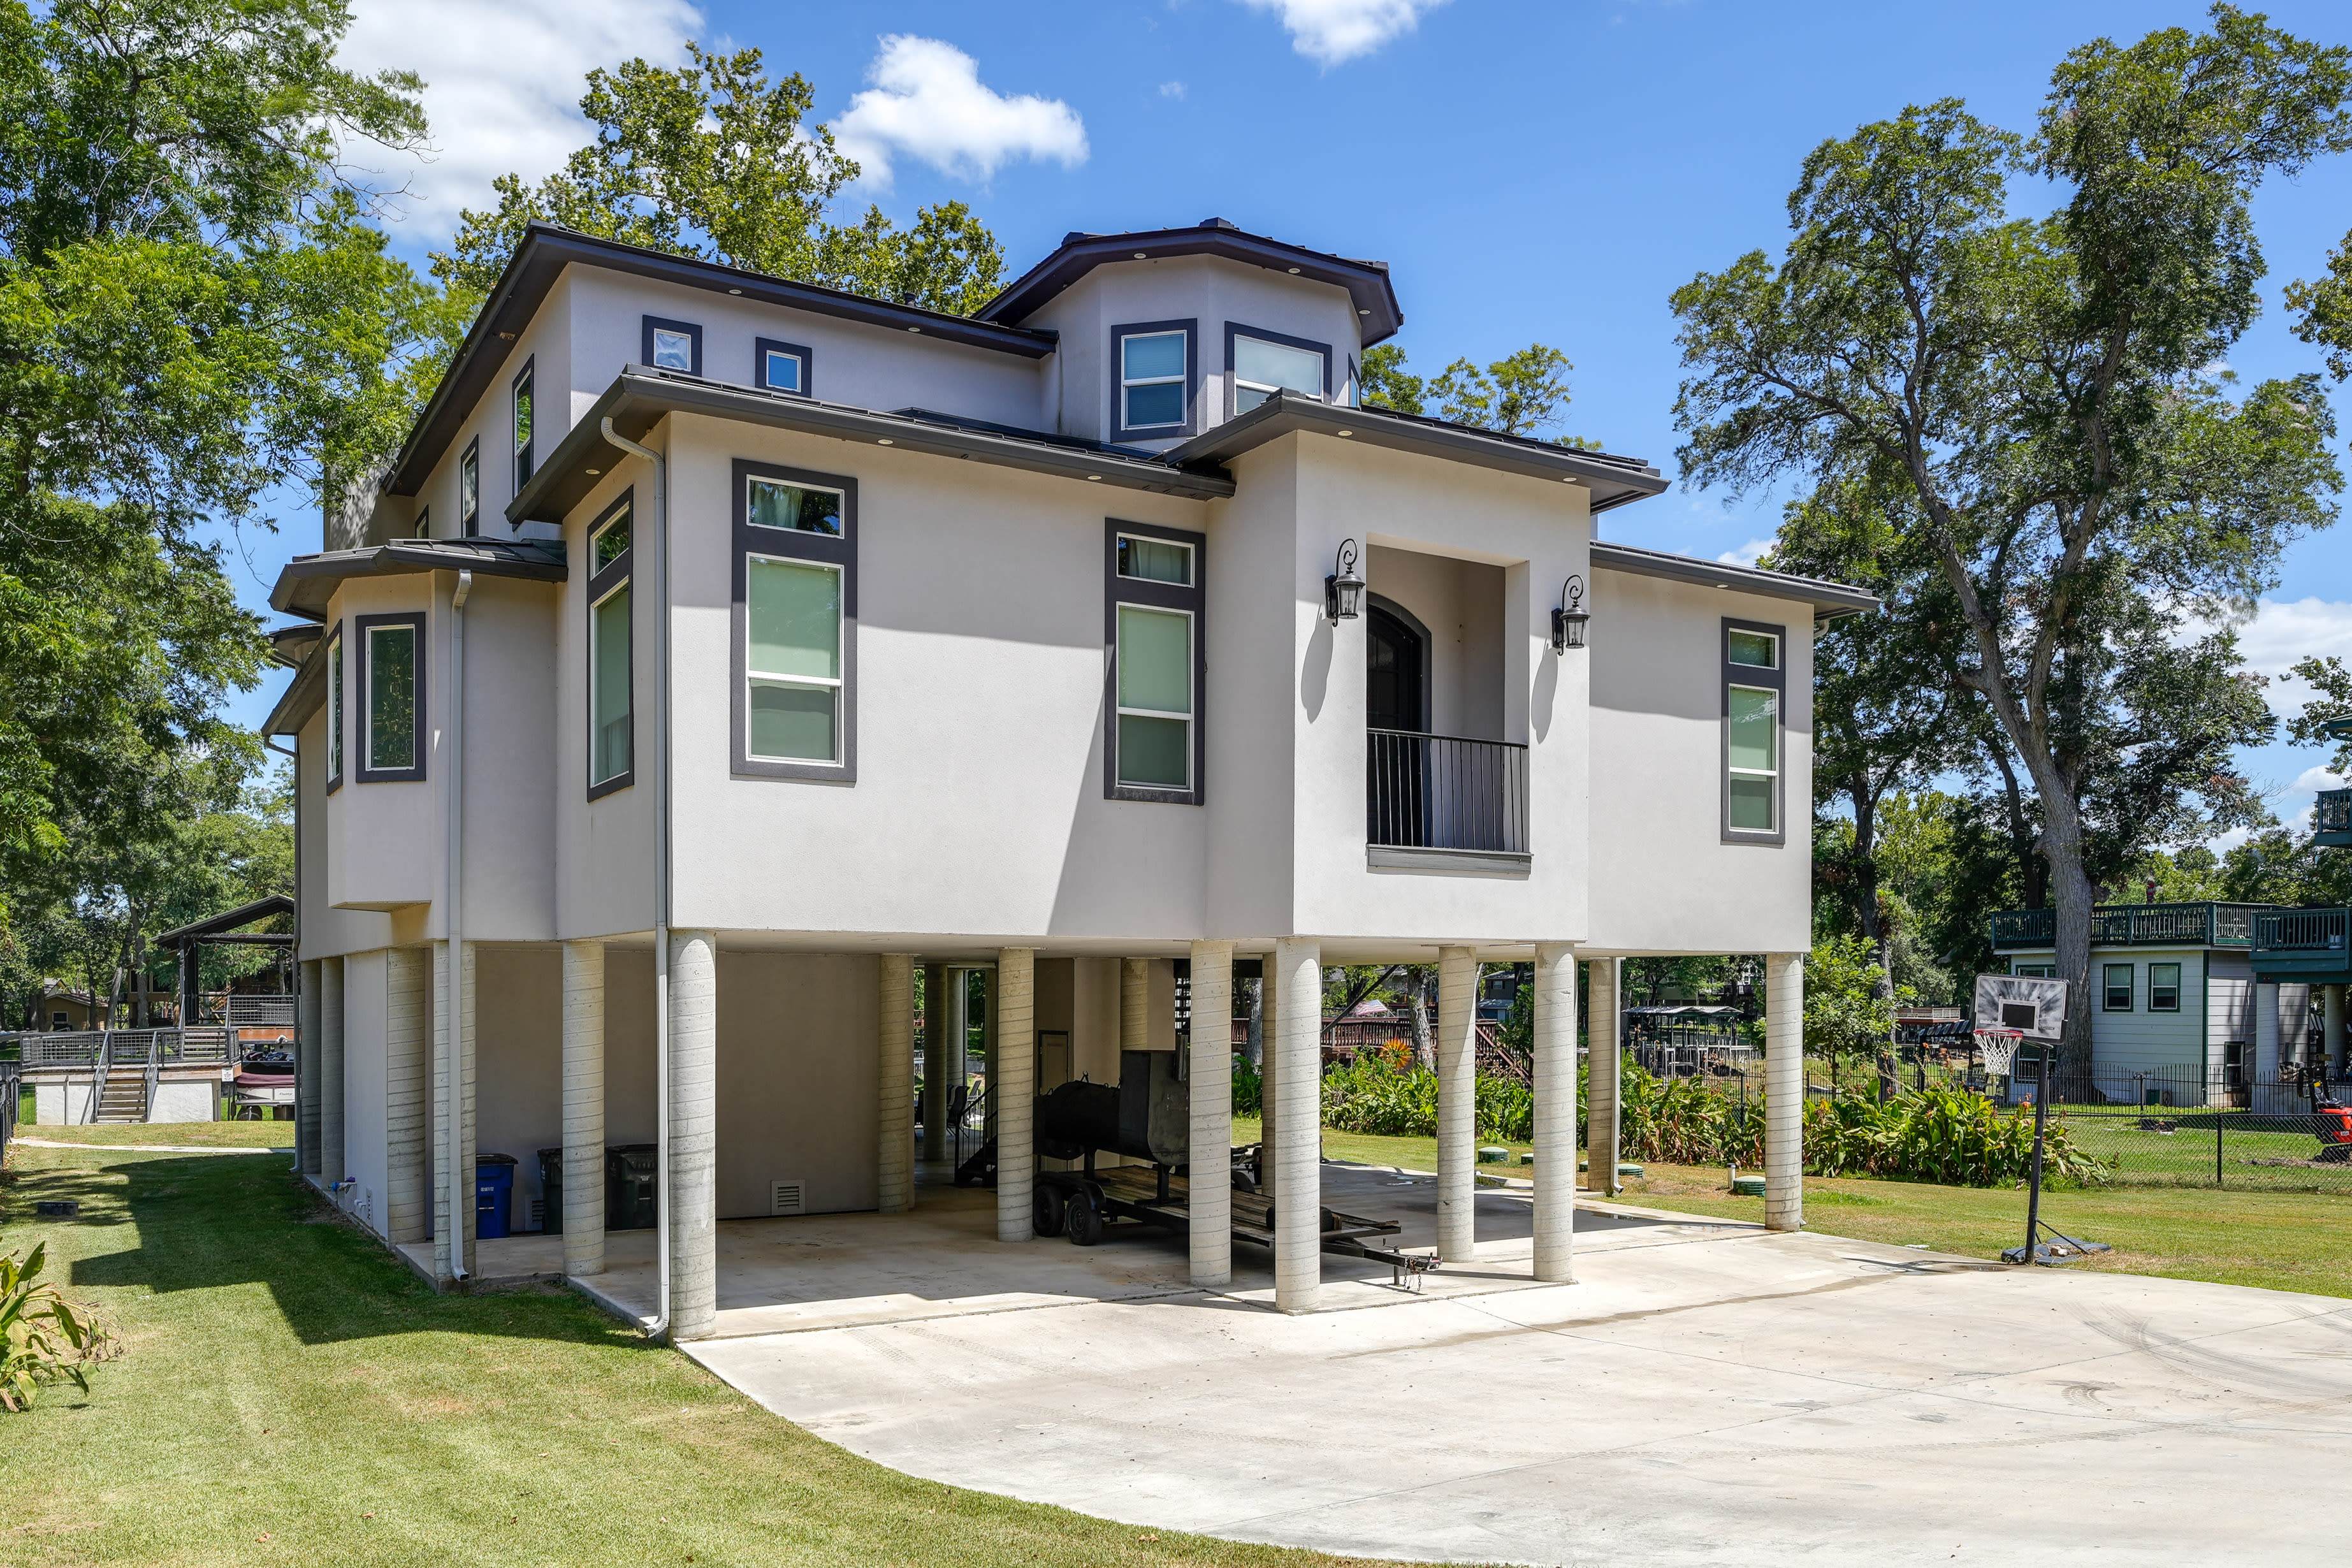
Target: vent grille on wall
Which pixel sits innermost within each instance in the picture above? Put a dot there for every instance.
(788, 1197)
(537, 1214)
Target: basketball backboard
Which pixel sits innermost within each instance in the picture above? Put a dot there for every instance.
(2025, 1002)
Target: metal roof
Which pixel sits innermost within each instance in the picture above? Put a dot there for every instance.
(307, 582)
(1367, 282)
(227, 921)
(1832, 599)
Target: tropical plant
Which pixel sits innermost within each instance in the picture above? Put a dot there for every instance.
(44, 1338)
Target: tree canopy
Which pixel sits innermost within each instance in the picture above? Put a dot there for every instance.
(1523, 393)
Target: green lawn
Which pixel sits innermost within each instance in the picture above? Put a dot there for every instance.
(197, 1134)
(291, 1393)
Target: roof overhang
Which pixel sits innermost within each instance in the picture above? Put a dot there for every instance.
(546, 250)
(308, 583)
(290, 646)
(1367, 282)
(1830, 600)
(637, 400)
(1610, 481)
(267, 907)
(303, 696)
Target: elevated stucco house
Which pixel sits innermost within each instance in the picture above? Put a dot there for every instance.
(720, 649)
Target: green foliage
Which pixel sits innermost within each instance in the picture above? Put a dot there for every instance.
(1386, 384)
(44, 1338)
(1681, 1121)
(1523, 393)
(2324, 310)
(1846, 1012)
(713, 159)
(1941, 1135)
(1249, 1087)
(1373, 1094)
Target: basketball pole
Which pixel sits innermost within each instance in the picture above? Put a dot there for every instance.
(2040, 1121)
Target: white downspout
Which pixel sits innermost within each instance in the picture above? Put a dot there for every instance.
(660, 1325)
(461, 1184)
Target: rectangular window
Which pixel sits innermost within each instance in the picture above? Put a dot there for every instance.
(392, 698)
(469, 488)
(612, 740)
(1154, 368)
(335, 711)
(1754, 695)
(1259, 363)
(522, 427)
(672, 345)
(2163, 988)
(2115, 987)
(795, 622)
(1152, 710)
(2043, 971)
(781, 366)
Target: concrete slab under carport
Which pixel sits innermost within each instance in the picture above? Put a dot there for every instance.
(1707, 1392)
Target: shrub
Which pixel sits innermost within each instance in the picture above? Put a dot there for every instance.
(1381, 1093)
(44, 1338)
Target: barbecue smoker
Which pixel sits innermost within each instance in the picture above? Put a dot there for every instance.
(1148, 1117)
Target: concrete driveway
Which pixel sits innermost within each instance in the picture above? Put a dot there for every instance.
(1704, 1394)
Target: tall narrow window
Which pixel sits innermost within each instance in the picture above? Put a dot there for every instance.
(1259, 363)
(335, 711)
(392, 698)
(795, 622)
(781, 366)
(611, 719)
(673, 345)
(1152, 733)
(1755, 686)
(469, 489)
(1153, 371)
(524, 409)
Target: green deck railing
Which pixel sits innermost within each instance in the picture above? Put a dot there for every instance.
(2135, 925)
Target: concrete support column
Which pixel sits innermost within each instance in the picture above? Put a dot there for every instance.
(1209, 1176)
(583, 1215)
(1555, 1111)
(1458, 1103)
(2331, 1039)
(1134, 1004)
(1784, 1092)
(1297, 1117)
(937, 1023)
(895, 1081)
(452, 1135)
(332, 1166)
(408, 1094)
(1012, 1089)
(1604, 1058)
(1269, 1061)
(305, 1070)
(693, 1133)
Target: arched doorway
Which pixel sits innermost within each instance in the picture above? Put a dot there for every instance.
(1396, 654)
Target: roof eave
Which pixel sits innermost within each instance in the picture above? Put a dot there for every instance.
(291, 595)
(1830, 600)
(1072, 260)
(639, 397)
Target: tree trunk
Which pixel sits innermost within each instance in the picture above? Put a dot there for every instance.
(2071, 885)
(1425, 1048)
(1255, 1049)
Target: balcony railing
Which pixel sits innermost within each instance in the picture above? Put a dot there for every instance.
(2302, 930)
(1441, 792)
(123, 1047)
(2331, 817)
(2135, 925)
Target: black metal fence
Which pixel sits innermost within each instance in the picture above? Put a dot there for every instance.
(1441, 792)
(2279, 1144)
(11, 1093)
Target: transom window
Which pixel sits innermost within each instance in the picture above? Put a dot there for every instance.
(1759, 650)
(1263, 365)
(1754, 694)
(1155, 560)
(1151, 732)
(796, 619)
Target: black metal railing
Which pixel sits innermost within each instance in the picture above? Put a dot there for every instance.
(2136, 925)
(2332, 812)
(1442, 791)
(2302, 930)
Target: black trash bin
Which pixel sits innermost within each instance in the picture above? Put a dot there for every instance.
(550, 1187)
(629, 1171)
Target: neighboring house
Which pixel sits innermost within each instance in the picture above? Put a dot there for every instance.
(1070, 642)
(2178, 1006)
(62, 1006)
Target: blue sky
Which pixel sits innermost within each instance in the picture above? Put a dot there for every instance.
(1531, 172)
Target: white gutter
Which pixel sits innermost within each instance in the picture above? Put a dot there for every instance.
(461, 1183)
(659, 1327)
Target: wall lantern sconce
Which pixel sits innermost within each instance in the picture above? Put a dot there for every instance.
(1343, 591)
(1568, 621)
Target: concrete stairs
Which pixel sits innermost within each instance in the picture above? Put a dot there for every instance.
(123, 1096)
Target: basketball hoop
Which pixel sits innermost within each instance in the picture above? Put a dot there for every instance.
(1998, 1048)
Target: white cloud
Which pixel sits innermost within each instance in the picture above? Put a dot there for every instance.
(2311, 781)
(1171, 90)
(2285, 630)
(502, 85)
(928, 103)
(1330, 32)
(1747, 555)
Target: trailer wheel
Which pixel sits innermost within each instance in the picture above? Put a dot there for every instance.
(1082, 1220)
(1047, 1212)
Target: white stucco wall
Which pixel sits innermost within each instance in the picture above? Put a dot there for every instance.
(798, 1036)
(366, 979)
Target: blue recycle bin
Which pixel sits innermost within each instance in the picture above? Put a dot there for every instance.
(493, 1195)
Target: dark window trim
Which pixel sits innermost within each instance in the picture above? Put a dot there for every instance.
(1242, 329)
(762, 347)
(2106, 989)
(1118, 591)
(1776, 678)
(1193, 374)
(600, 584)
(424, 529)
(470, 517)
(2152, 1004)
(842, 553)
(658, 323)
(523, 454)
(339, 709)
(360, 626)
(1355, 384)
